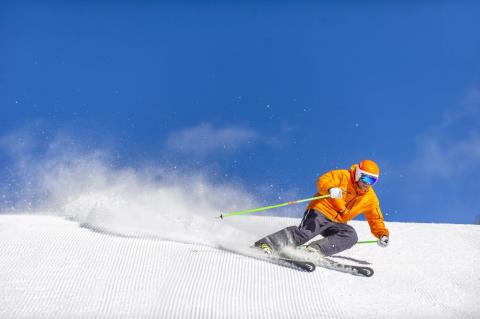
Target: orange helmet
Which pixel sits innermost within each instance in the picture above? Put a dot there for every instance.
(368, 172)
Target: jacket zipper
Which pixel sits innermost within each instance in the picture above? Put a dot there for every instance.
(352, 200)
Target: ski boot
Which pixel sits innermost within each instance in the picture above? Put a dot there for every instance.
(266, 248)
(310, 253)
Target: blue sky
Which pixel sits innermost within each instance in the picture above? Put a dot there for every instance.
(267, 94)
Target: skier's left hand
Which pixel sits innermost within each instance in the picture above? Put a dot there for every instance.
(383, 241)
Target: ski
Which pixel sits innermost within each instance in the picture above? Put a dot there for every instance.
(276, 259)
(351, 269)
(297, 264)
(328, 263)
(300, 261)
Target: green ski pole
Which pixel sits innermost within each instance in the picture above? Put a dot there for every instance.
(249, 211)
(366, 242)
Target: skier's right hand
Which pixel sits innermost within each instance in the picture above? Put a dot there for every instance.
(383, 241)
(335, 192)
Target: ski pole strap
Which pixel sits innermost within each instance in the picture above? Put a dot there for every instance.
(249, 211)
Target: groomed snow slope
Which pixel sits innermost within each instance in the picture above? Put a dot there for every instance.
(50, 267)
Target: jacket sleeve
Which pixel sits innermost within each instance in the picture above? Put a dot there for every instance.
(329, 180)
(375, 220)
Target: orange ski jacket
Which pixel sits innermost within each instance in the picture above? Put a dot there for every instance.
(353, 203)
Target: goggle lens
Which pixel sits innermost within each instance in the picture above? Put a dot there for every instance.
(368, 179)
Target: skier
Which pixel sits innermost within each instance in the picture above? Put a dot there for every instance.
(351, 194)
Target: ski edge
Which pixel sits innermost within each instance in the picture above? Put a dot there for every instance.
(347, 268)
(328, 263)
(299, 264)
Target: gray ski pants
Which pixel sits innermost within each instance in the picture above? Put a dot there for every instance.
(337, 236)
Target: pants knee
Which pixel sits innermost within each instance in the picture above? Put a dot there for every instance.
(352, 239)
(339, 242)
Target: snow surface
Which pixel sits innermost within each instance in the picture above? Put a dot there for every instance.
(58, 267)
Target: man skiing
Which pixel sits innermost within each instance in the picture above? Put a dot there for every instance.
(351, 194)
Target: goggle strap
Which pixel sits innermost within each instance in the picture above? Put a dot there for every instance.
(366, 173)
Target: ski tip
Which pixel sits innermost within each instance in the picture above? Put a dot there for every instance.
(309, 267)
(365, 271)
(370, 273)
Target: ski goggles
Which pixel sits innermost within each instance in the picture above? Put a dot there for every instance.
(368, 179)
